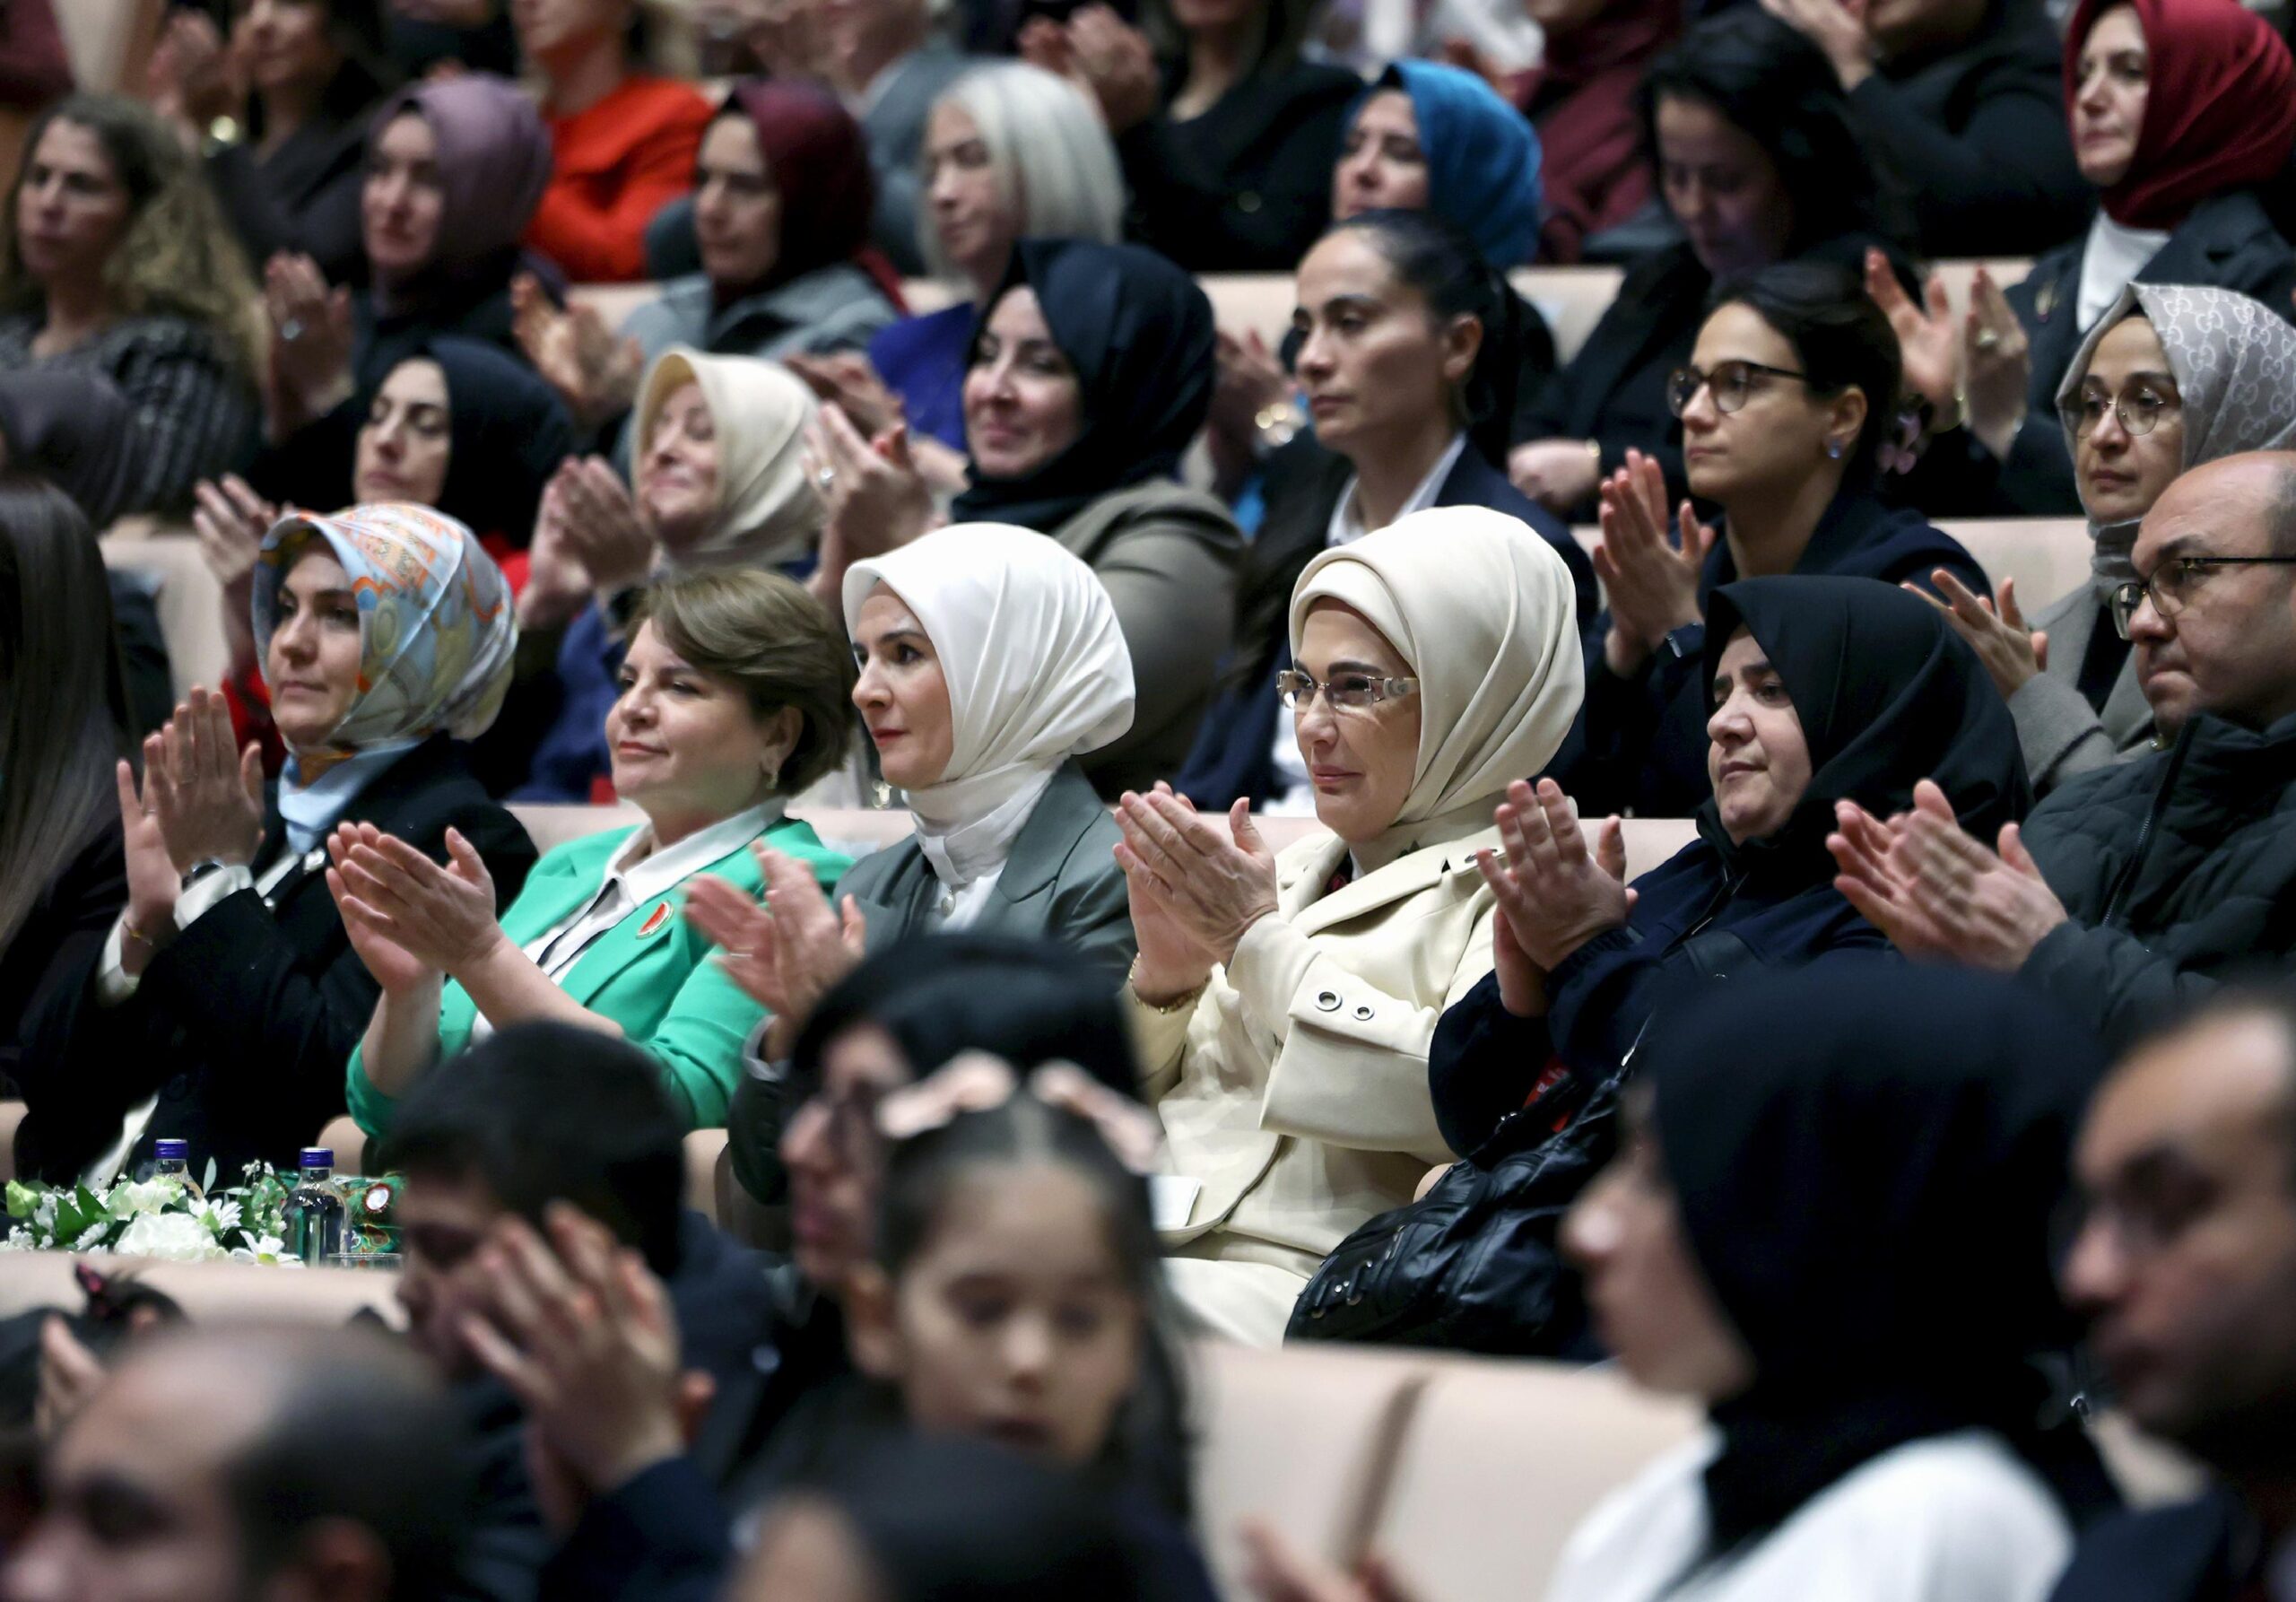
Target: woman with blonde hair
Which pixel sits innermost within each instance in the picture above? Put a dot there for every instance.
(719, 482)
(117, 269)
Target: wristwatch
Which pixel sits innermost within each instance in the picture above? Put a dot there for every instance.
(200, 870)
(1686, 644)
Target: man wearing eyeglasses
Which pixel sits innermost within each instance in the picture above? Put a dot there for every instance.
(2134, 890)
(2185, 1261)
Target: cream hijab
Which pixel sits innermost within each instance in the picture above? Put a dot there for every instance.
(767, 509)
(1482, 609)
(1037, 670)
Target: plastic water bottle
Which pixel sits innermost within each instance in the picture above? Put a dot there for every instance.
(171, 1160)
(315, 1209)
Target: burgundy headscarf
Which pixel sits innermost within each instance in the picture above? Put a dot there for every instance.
(2220, 113)
(495, 162)
(819, 160)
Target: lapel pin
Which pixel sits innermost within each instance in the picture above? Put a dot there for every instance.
(656, 921)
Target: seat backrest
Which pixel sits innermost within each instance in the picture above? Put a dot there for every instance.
(211, 1292)
(1572, 301)
(1303, 1438)
(189, 599)
(550, 824)
(108, 42)
(2048, 557)
(1499, 1462)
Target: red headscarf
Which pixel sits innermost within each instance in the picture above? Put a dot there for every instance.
(819, 160)
(2220, 113)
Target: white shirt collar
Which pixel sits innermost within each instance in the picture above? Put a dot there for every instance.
(1347, 519)
(981, 847)
(665, 870)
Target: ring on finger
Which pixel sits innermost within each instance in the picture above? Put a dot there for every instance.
(290, 330)
(1988, 339)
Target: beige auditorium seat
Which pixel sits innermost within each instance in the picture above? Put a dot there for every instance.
(551, 825)
(1304, 1438)
(1499, 1462)
(1572, 301)
(211, 1292)
(108, 40)
(2047, 557)
(190, 602)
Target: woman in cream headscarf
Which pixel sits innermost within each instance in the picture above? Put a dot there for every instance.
(229, 994)
(1283, 1005)
(2173, 376)
(719, 483)
(990, 661)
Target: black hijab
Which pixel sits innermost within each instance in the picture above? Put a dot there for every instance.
(509, 431)
(1887, 694)
(1869, 1193)
(1139, 333)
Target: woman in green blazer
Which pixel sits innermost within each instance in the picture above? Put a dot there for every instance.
(733, 694)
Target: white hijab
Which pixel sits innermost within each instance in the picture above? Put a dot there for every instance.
(1483, 610)
(1036, 671)
(767, 510)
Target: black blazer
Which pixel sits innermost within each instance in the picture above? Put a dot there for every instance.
(61, 937)
(2227, 242)
(1231, 755)
(242, 1024)
(1613, 391)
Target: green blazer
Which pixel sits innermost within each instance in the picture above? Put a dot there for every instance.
(655, 981)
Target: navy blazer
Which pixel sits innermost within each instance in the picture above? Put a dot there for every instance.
(2192, 1552)
(1232, 756)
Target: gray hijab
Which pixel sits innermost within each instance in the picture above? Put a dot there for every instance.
(2234, 361)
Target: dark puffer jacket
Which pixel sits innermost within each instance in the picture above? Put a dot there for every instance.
(2180, 872)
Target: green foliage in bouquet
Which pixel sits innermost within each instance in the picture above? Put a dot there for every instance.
(154, 1218)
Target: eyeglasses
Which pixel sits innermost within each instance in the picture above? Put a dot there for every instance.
(2139, 409)
(1347, 692)
(2172, 585)
(1730, 382)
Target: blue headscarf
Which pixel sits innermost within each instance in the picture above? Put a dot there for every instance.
(1483, 157)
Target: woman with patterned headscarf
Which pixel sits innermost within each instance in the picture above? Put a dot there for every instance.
(2170, 376)
(228, 996)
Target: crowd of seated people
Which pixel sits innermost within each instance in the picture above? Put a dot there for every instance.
(1081, 643)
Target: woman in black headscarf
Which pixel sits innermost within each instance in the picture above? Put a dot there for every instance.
(1821, 689)
(1090, 374)
(1836, 1234)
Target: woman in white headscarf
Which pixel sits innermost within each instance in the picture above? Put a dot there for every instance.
(1284, 1006)
(990, 661)
(2171, 376)
(719, 483)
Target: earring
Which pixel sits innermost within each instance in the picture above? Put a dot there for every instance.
(1833, 449)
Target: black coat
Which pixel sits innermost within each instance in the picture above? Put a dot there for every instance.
(2227, 242)
(1245, 186)
(2201, 1551)
(1613, 391)
(2177, 871)
(305, 196)
(1232, 754)
(1639, 745)
(242, 1024)
(1977, 137)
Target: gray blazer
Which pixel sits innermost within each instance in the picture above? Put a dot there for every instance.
(1061, 884)
(895, 126)
(2061, 734)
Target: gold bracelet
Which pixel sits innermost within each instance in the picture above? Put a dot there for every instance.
(128, 929)
(1162, 1009)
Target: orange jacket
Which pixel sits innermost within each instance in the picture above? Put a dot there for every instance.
(617, 163)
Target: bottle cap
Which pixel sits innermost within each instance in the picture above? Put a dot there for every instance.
(317, 1156)
(171, 1151)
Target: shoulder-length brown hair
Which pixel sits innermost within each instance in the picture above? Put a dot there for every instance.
(177, 254)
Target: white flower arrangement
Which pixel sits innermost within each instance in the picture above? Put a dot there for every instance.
(160, 1217)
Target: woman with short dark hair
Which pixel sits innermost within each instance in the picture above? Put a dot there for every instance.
(1788, 398)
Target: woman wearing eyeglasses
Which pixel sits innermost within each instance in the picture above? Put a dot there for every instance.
(2173, 376)
(1282, 1005)
(1788, 399)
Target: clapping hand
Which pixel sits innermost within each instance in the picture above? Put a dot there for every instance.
(1929, 340)
(576, 353)
(1111, 60)
(583, 1334)
(785, 952)
(308, 373)
(441, 917)
(202, 802)
(1557, 474)
(2013, 653)
(1837, 28)
(1554, 894)
(1279, 1571)
(1651, 581)
(1214, 884)
(1937, 893)
(598, 523)
(1172, 962)
(231, 520)
(1996, 364)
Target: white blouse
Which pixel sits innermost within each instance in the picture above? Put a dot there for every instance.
(1955, 1517)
